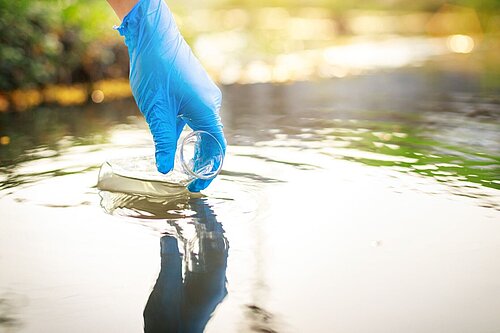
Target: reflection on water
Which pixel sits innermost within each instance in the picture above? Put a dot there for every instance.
(190, 285)
(185, 305)
(442, 126)
(9, 321)
(144, 207)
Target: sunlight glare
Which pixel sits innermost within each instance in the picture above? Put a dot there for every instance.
(460, 43)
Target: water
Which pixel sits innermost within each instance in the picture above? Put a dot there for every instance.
(363, 204)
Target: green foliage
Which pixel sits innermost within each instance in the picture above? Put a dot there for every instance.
(29, 47)
(427, 5)
(66, 41)
(46, 42)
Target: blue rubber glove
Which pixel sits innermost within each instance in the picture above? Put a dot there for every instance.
(169, 84)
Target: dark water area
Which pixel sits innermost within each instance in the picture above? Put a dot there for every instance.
(373, 195)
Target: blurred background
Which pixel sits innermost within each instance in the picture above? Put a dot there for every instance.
(427, 66)
(65, 52)
(362, 170)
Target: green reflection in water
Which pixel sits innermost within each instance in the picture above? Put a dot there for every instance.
(45, 134)
(425, 156)
(34, 133)
(423, 143)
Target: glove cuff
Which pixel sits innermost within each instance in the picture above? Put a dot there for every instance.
(130, 19)
(144, 18)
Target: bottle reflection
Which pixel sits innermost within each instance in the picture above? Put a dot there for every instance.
(185, 305)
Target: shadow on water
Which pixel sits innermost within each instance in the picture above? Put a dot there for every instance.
(191, 284)
(8, 320)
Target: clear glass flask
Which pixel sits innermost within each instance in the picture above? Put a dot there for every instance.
(198, 156)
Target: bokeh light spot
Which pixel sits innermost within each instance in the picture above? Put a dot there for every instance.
(4, 140)
(97, 96)
(460, 43)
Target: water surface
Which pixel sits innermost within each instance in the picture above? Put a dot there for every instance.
(363, 204)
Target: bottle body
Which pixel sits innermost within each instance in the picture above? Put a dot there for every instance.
(199, 156)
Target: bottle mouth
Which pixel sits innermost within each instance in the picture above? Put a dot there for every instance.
(201, 169)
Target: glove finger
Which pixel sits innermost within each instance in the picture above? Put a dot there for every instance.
(162, 123)
(206, 155)
(199, 184)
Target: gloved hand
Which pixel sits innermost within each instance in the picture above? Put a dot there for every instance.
(169, 84)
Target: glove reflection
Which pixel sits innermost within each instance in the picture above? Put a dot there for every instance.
(185, 305)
